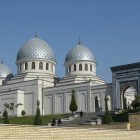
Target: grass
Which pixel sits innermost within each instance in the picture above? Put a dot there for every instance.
(29, 120)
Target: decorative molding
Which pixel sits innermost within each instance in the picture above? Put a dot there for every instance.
(125, 84)
(127, 73)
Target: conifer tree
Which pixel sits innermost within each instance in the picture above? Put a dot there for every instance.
(107, 117)
(38, 119)
(73, 105)
(5, 115)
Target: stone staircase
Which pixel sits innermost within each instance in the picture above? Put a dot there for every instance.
(18, 132)
(88, 118)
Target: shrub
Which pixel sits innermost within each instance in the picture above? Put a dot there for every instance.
(136, 103)
(23, 112)
(122, 117)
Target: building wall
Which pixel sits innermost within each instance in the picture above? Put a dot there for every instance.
(26, 92)
(57, 99)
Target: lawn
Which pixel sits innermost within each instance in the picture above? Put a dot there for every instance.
(29, 120)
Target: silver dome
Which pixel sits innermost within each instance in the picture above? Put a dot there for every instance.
(35, 49)
(4, 71)
(80, 52)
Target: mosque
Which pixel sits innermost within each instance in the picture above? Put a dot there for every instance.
(36, 80)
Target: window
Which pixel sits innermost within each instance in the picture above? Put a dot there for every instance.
(80, 67)
(20, 67)
(26, 66)
(33, 65)
(86, 67)
(69, 68)
(90, 67)
(47, 66)
(41, 66)
(52, 67)
(74, 66)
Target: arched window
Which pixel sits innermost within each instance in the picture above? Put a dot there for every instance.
(26, 66)
(74, 66)
(80, 67)
(33, 65)
(86, 67)
(90, 67)
(69, 68)
(41, 66)
(47, 66)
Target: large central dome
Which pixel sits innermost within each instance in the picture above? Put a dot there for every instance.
(35, 49)
(80, 52)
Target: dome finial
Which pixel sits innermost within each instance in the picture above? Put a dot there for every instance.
(36, 35)
(79, 42)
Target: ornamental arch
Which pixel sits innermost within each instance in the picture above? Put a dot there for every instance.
(128, 94)
(125, 84)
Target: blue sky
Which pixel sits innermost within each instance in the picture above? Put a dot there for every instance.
(110, 28)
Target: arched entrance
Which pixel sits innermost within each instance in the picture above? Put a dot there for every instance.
(59, 104)
(83, 102)
(97, 105)
(49, 105)
(128, 95)
(109, 102)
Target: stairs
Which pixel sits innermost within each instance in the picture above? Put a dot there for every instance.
(18, 132)
(87, 118)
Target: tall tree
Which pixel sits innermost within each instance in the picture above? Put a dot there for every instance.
(73, 105)
(107, 117)
(5, 115)
(38, 119)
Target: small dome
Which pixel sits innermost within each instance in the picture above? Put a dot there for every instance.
(80, 52)
(5, 71)
(35, 49)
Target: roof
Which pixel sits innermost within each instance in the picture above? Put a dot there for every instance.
(125, 67)
(35, 49)
(80, 52)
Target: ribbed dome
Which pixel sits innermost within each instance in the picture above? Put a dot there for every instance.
(80, 52)
(4, 71)
(35, 49)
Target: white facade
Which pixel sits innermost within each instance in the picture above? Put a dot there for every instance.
(36, 80)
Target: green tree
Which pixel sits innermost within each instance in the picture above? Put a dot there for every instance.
(136, 103)
(23, 112)
(38, 119)
(73, 105)
(11, 106)
(107, 117)
(5, 115)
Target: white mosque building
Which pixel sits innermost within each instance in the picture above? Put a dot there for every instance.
(36, 80)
